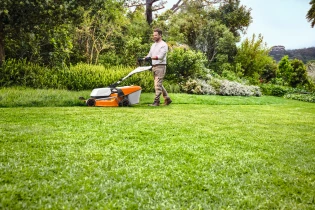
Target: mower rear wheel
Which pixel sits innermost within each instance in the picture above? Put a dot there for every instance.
(90, 102)
(124, 102)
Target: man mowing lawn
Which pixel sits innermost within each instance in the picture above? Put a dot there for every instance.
(158, 54)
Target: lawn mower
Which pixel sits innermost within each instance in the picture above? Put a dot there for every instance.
(112, 95)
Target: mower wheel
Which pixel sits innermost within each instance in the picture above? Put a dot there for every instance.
(124, 102)
(90, 102)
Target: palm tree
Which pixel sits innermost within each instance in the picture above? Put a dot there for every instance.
(311, 14)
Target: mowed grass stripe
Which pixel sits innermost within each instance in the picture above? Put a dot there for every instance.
(184, 156)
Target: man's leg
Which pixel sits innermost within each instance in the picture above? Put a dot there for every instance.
(159, 73)
(167, 99)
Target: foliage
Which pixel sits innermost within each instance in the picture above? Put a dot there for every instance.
(60, 32)
(269, 72)
(299, 74)
(62, 46)
(275, 90)
(186, 26)
(199, 87)
(229, 88)
(211, 30)
(215, 86)
(134, 41)
(184, 64)
(77, 77)
(100, 25)
(235, 16)
(285, 70)
(216, 41)
(310, 66)
(253, 57)
(30, 24)
(310, 16)
(23, 73)
(301, 97)
(293, 73)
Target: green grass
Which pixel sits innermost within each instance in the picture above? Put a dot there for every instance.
(201, 152)
(27, 97)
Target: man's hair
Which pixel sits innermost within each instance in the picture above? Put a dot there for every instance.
(158, 30)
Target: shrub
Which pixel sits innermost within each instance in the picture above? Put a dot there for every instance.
(301, 97)
(229, 88)
(183, 64)
(220, 87)
(230, 75)
(78, 77)
(172, 87)
(22, 73)
(275, 90)
(197, 86)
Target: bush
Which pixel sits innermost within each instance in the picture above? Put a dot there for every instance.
(23, 73)
(230, 75)
(301, 97)
(197, 86)
(78, 77)
(275, 90)
(184, 64)
(220, 87)
(229, 88)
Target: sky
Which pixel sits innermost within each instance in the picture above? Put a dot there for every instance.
(281, 22)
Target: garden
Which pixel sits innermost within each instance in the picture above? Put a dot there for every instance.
(239, 133)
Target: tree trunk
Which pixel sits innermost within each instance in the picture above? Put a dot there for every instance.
(2, 52)
(148, 11)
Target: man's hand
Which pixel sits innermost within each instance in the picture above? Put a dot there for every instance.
(147, 58)
(140, 59)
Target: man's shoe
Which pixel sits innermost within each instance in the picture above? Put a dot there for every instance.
(167, 101)
(155, 103)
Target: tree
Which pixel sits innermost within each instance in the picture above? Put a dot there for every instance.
(35, 19)
(311, 13)
(285, 70)
(150, 5)
(253, 55)
(292, 72)
(216, 40)
(156, 5)
(299, 74)
(269, 72)
(186, 26)
(234, 16)
(101, 23)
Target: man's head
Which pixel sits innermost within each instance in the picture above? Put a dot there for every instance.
(157, 35)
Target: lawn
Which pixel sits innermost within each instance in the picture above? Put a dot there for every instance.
(201, 152)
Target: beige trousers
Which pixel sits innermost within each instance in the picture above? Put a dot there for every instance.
(158, 74)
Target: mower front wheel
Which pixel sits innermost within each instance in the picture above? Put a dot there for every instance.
(90, 102)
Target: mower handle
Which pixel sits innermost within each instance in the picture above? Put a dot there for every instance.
(143, 61)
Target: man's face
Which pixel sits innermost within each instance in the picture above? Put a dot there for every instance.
(156, 36)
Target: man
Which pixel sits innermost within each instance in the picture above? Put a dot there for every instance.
(158, 54)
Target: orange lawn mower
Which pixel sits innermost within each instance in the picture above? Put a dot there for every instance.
(112, 95)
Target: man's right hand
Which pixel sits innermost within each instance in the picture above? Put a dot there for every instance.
(148, 59)
(140, 59)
